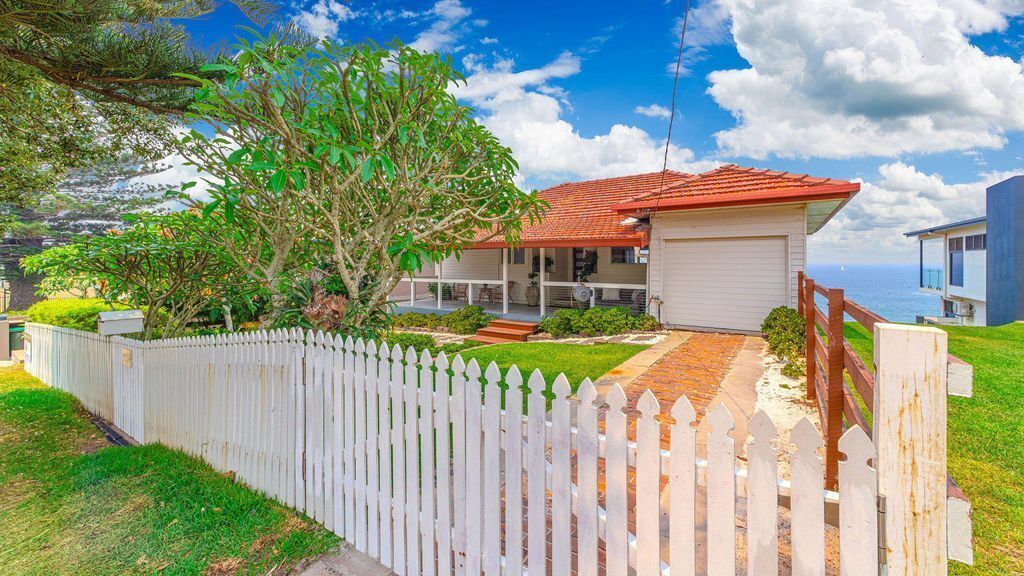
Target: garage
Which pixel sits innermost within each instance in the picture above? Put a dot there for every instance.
(723, 283)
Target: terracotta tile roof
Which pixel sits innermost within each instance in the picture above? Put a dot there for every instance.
(737, 185)
(582, 213)
(596, 212)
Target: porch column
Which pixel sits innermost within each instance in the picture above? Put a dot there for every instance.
(543, 273)
(504, 281)
(440, 273)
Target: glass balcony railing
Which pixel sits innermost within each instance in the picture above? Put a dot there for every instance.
(931, 278)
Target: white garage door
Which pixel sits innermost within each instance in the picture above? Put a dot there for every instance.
(726, 283)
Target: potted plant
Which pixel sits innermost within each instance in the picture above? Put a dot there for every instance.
(533, 290)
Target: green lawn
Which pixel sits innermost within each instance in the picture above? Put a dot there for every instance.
(575, 360)
(986, 441)
(72, 504)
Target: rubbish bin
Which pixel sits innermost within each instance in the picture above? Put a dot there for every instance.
(17, 337)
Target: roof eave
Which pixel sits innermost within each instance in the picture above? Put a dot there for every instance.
(639, 239)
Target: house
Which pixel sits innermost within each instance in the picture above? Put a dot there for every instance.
(976, 266)
(716, 250)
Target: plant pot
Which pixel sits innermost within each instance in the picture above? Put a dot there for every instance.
(533, 295)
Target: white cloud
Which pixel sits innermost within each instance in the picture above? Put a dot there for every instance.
(654, 111)
(871, 227)
(525, 111)
(849, 78)
(324, 18)
(442, 33)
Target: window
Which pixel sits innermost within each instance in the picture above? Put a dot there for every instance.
(517, 256)
(628, 256)
(976, 242)
(956, 261)
(584, 263)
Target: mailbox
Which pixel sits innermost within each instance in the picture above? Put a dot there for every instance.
(119, 322)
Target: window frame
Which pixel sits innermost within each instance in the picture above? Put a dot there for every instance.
(955, 249)
(513, 252)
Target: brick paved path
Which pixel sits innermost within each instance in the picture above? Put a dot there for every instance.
(694, 369)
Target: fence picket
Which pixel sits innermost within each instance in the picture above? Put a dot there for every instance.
(762, 497)
(807, 501)
(536, 523)
(359, 439)
(444, 493)
(384, 404)
(474, 476)
(586, 518)
(648, 486)
(858, 508)
(458, 415)
(427, 484)
(682, 489)
(513, 472)
(327, 409)
(561, 503)
(721, 494)
(372, 453)
(399, 512)
(348, 438)
(491, 472)
(412, 466)
(616, 533)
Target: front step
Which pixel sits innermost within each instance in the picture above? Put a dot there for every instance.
(491, 340)
(510, 334)
(505, 331)
(516, 324)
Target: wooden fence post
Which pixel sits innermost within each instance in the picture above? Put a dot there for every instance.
(807, 301)
(910, 439)
(834, 386)
(800, 293)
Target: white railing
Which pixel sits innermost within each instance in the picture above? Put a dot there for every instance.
(427, 464)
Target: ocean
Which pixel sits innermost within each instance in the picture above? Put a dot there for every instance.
(889, 290)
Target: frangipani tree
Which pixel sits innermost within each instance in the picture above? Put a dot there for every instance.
(359, 151)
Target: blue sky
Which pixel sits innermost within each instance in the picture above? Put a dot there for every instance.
(921, 101)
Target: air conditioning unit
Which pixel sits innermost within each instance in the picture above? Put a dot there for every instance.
(963, 309)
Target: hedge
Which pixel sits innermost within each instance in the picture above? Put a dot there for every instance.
(596, 321)
(78, 313)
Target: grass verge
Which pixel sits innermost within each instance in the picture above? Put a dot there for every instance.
(575, 360)
(986, 440)
(71, 504)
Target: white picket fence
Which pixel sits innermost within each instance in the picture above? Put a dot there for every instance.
(434, 466)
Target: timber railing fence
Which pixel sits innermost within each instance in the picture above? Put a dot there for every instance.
(438, 466)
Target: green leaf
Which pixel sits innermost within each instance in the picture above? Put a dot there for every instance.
(209, 208)
(335, 155)
(278, 181)
(217, 68)
(261, 166)
(277, 97)
(188, 185)
(367, 171)
(237, 155)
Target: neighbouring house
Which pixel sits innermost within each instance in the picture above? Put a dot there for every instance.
(976, 266)
(716, 250)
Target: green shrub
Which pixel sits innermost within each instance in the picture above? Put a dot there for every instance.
(646, 323)
(79, 313)
(466, 320)
(784, 330)
(419, 342)
(596, 322)
(563, 323)
(416, 320)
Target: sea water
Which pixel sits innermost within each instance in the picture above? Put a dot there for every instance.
(890, 290)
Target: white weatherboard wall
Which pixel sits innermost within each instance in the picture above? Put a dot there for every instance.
(415, 461)
(769, 229)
